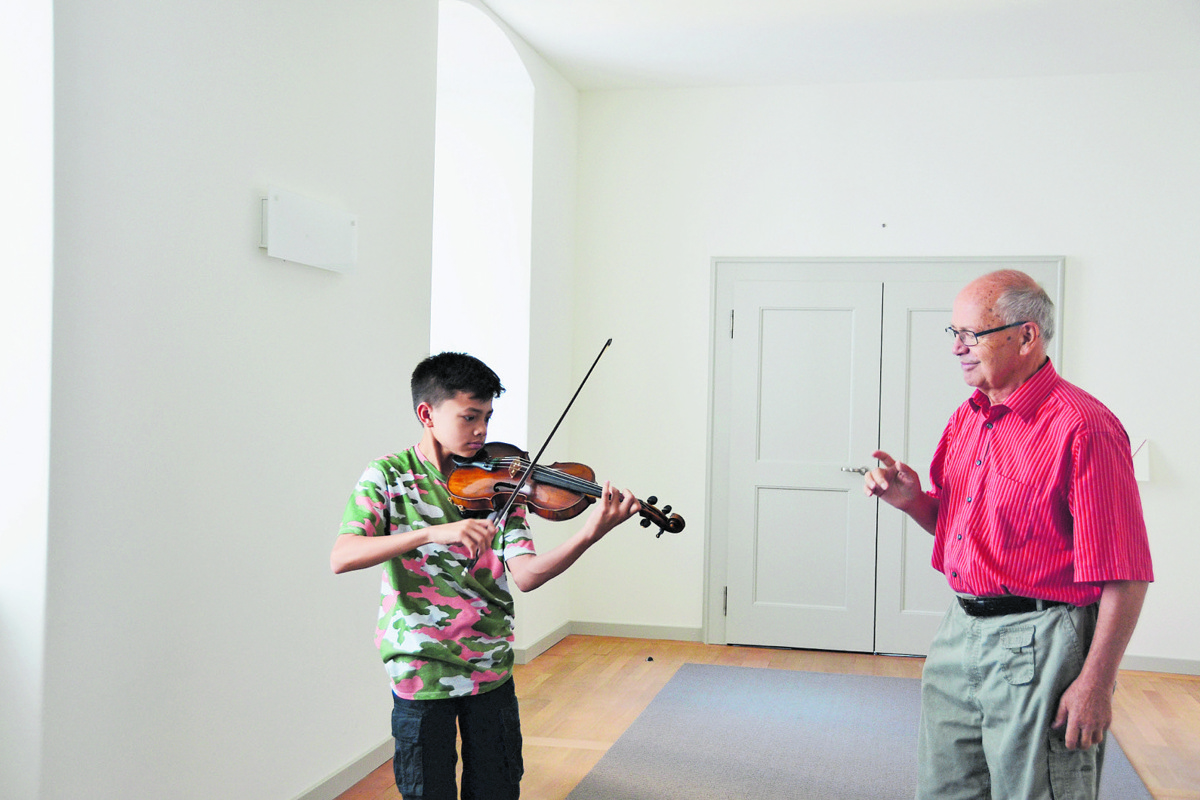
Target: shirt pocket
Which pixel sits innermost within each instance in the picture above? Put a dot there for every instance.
(1017, 659)
(1013, 508)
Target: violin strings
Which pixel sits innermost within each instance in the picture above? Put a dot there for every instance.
(564, 480)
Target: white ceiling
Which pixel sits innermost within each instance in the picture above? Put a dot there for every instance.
(607, 44)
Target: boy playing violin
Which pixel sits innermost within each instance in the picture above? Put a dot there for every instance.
(446, 613)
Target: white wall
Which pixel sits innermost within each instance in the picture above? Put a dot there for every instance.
(26, 278)
(1102, 169)
(213, 407)
(483, 167)
(552, 379)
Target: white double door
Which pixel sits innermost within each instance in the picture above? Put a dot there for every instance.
(823, 363)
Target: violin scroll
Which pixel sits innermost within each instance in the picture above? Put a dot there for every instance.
(651, 515)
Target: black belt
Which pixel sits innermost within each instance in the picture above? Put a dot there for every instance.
(1004, 604)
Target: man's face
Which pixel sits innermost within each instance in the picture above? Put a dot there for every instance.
(993, 364)
(460, 423)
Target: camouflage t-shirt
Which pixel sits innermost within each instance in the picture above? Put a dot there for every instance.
(443, 631)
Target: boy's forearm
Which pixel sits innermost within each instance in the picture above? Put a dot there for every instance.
(530, 572)
(613, 508)
(352, 551)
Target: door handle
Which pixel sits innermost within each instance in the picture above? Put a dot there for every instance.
(859, 470)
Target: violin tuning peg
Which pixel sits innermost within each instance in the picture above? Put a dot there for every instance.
(666, 509)
(645, 523)
(652, 500)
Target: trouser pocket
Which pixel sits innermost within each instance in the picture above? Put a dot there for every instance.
(1020, 663)
(1074, 774)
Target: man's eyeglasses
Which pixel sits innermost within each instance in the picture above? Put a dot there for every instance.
(971, 338)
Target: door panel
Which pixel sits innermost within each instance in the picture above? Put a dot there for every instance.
(780, 545)
(796, 344)
(804, 389)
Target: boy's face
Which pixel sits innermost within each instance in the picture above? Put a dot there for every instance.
(458, 425)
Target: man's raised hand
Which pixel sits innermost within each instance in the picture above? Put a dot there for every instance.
(894, 481)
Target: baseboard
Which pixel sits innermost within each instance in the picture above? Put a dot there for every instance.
(352, 773)
(524, 655)
(638, 631)
(1178, 666)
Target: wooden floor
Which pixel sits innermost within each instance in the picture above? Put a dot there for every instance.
(578, 697)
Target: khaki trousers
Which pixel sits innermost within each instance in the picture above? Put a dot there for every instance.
(989, 693)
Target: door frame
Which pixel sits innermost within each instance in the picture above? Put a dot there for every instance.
(946, 268)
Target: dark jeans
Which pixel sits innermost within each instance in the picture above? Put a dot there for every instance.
(426, 757)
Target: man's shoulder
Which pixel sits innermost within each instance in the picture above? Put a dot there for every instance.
(1079, 408)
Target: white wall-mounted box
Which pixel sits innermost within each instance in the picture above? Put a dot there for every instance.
(306, 231)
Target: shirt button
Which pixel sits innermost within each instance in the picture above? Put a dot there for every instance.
(954, 573)
(978, 463)
(968, 499)
(959, 536)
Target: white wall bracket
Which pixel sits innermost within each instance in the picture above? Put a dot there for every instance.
(305, 231)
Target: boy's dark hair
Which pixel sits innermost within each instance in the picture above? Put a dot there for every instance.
(440, 377)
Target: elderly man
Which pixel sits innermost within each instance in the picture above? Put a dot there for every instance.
(1038, 527)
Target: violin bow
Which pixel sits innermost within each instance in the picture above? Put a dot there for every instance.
(502, 514)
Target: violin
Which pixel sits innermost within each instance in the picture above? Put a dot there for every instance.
(492, 480)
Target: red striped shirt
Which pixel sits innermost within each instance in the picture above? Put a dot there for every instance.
(1036, 496)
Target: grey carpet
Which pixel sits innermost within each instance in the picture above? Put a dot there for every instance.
(746, 733)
